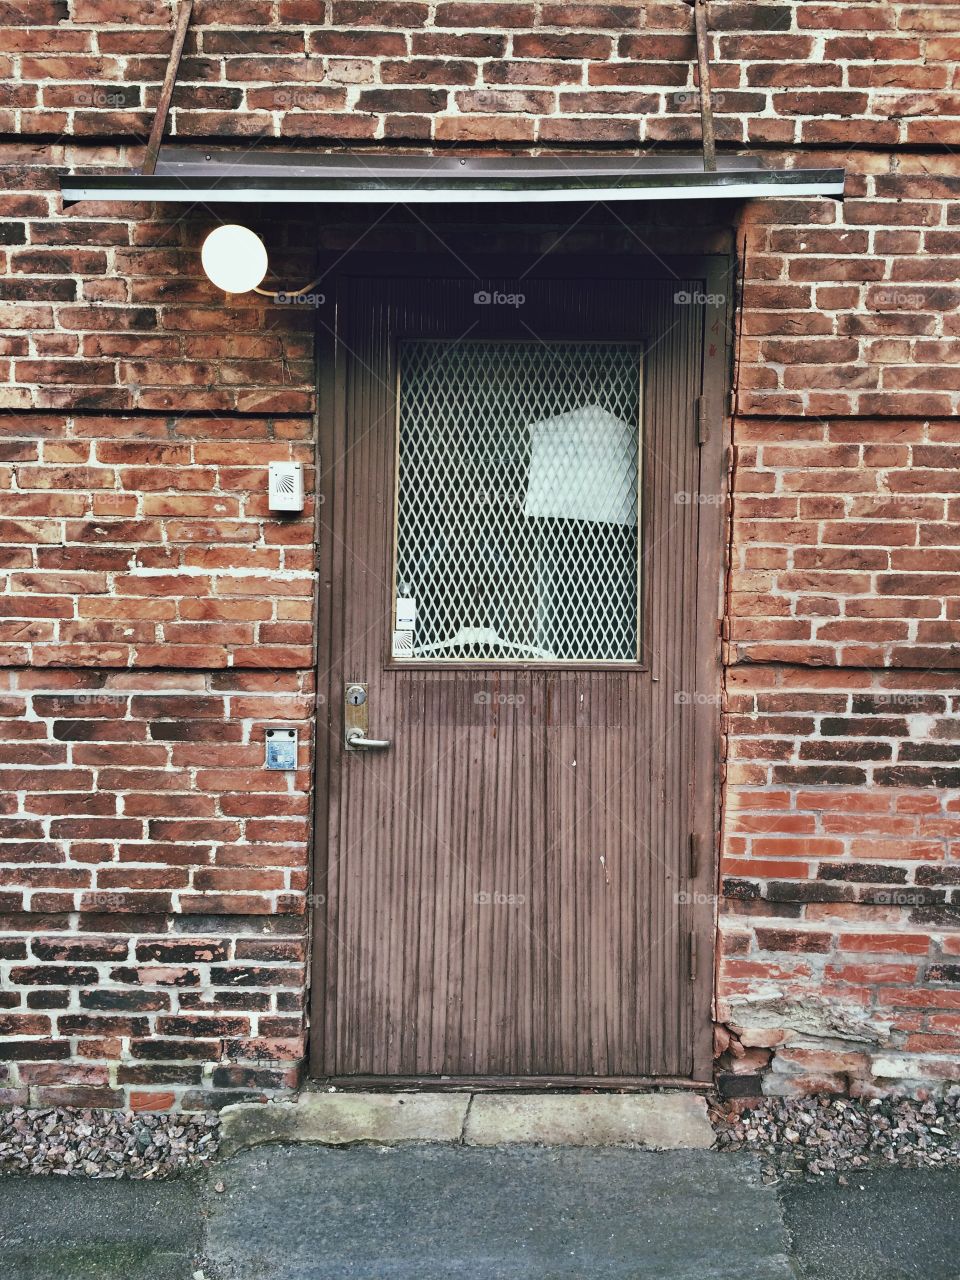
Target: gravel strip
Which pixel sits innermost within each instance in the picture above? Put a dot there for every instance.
(105, 1144)
(817, 1136)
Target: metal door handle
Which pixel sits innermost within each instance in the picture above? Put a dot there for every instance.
(356, 740)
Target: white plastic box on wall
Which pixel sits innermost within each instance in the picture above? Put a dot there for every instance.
(286, 486)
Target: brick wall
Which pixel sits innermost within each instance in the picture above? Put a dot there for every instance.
(842, 778)
(522, 71)
(841, 915)
(146, 541)
(839, 863)
(846, 542)
(106, 307)
(153, 876)
(154, 885)
(855, 309)
(156, 618)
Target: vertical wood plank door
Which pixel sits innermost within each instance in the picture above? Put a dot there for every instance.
(520, 567)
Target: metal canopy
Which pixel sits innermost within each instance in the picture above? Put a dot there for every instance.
(187, 175)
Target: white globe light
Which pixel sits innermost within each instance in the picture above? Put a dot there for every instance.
(234, 258)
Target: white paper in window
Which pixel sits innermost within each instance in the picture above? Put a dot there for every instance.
(583, 466)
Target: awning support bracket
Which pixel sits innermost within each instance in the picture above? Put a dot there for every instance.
(166, 92)
(183, 22)
(703, 72)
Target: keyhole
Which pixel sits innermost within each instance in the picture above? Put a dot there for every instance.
(356, 696)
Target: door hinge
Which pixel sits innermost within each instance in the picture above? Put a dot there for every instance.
(696, 845)
(693, 955)
(703, 423)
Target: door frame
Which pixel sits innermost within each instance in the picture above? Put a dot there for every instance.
(717, 272)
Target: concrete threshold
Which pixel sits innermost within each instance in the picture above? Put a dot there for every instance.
(651, 1121)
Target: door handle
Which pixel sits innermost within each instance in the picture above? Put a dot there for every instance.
(355, 725)
(358, 742)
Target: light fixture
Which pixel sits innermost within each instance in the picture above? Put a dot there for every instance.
(234, 258)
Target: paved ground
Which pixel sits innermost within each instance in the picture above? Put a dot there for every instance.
(903, 1225)
(428, 1213)
(443, 1212)
(54, 1228)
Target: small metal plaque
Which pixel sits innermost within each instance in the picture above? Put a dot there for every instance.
(281, 749)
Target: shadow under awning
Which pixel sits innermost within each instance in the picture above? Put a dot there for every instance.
(186, 175)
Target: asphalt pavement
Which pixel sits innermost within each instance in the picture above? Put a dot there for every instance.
(441, 1211)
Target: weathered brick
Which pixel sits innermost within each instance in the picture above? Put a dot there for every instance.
(150, 589)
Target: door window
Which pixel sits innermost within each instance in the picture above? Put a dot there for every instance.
(518, 502)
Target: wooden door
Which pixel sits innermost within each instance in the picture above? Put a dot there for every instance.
(520, 568)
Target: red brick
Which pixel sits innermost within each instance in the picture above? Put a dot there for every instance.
(141, 546)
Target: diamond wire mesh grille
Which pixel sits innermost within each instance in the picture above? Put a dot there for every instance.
(517, 509)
